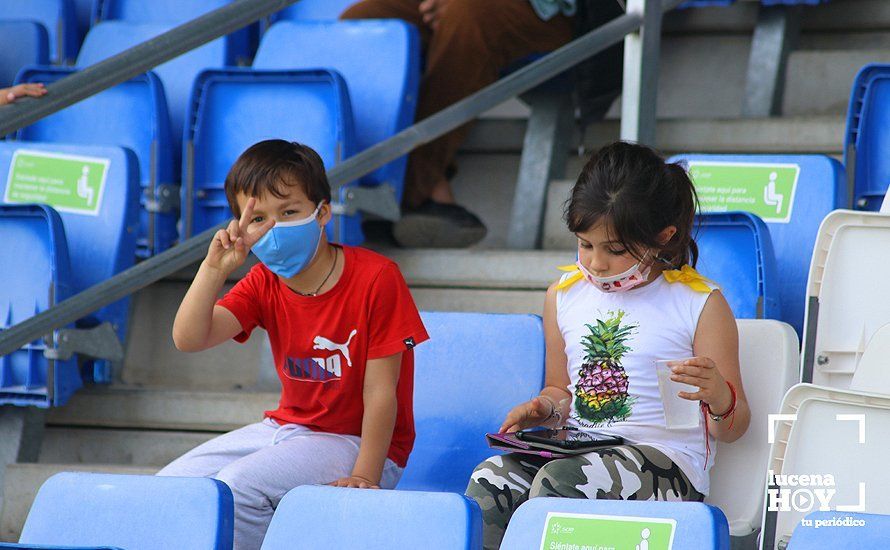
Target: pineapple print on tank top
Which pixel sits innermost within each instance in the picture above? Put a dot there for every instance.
(601, 392)
(611, 343)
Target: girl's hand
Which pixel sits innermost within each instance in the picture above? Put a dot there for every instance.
(528, 415)
(355, 482)
(230, 246)
(702, 372)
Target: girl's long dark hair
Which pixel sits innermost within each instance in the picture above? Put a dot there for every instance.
(639, 194)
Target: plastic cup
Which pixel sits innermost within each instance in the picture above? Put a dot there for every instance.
(679, 413)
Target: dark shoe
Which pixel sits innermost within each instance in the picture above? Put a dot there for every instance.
(437, 225)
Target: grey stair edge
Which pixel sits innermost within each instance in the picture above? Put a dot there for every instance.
(841, 16)
(461, 268)
(165, 409)
(119, 446)
(473, 268)
(799, 134)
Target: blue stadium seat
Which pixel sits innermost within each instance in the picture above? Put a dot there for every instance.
(57, 17)
(176, 12)
(34, 232)
(821, 188)
(130, 512)
(84, 11)
(108, 38)
(231, 110)
(313, 10)
(868, 136)
(383, 87)
(694, 526)
(22, 43)
(98, 245)
(132, 115)
(373, 520)
(466, 381)
(859, 531)
(735, 252)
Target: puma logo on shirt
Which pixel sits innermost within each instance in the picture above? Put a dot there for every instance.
(323, 343)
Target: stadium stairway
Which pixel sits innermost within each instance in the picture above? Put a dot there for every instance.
(165, 402)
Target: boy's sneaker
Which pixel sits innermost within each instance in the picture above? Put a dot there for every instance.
(438, 225)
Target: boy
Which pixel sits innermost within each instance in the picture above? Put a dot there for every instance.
(341, 324)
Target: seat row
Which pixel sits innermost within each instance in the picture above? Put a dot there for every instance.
(453, 412)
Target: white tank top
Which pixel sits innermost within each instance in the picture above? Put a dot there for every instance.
(620, 396)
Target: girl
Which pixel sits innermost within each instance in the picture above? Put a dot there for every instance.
(631, 299)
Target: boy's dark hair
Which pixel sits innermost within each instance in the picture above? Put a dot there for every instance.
(639, 194)
(271, 166)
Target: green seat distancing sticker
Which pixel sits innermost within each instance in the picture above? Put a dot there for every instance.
(68, 183)
(596, 532)
(763, 189)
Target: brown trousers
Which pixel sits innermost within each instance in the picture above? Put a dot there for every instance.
(473, 41)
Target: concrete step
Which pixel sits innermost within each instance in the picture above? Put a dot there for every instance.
(797, 134)
(844, 16)
(126, 447)
(22, 482)
(161, 409)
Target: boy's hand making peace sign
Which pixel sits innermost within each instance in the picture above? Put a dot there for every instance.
(230, 246)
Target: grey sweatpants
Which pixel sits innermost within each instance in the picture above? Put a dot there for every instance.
(263, 461)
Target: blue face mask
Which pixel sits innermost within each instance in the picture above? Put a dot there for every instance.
(290, 246)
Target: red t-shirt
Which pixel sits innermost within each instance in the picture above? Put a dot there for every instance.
(321, 343)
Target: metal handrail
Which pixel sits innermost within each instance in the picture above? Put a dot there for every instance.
(193, 249)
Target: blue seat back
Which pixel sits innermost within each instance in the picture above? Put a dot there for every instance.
(313, 10)
(616, 524)
(383, 86)
(868, 137)
(56, 16)
(176, 12)
(841, 530)
(736, 253)
(101, 244)
(132, 115)
(22, 43)
(375, 520)
(231, 110)
(28, 287)
(475, 368)
(84, 11)
(820, 188)
(109, 38)
(131, 512)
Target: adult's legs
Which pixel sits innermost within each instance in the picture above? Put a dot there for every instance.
(472, 42)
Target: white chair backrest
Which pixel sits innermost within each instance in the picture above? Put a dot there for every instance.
(838, 453)
(768, 352)
(873, 372)
(849, 285)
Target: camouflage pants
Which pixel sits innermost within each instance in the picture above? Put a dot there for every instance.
(503, 482)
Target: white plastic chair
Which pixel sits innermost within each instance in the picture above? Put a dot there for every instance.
(873, 373)
(768, 352)
(847, 294)
(817, 441)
